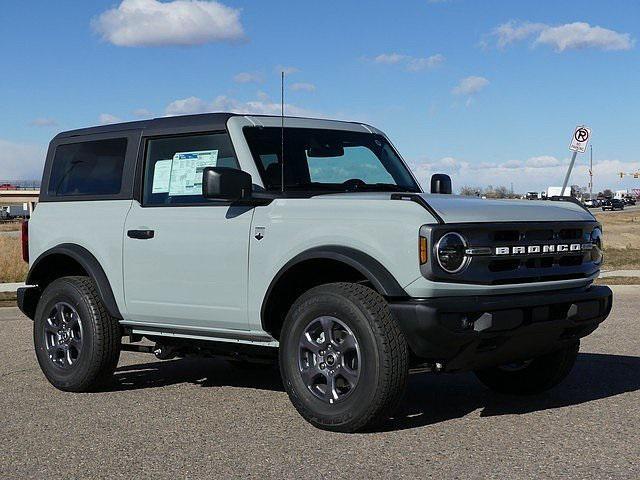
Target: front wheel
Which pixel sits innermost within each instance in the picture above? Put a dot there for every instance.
(532, 376)
(343, 359)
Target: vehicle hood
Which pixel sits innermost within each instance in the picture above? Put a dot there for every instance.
(458, 209)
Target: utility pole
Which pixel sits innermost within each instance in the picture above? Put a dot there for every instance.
(591, 173)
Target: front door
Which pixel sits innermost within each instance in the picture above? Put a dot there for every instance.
(185, 258)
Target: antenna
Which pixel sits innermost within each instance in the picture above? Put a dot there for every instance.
(282, 132)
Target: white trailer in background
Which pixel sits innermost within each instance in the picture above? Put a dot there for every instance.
(557, 192)
(621, 194)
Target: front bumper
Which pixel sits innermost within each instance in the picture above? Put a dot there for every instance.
(467, 333)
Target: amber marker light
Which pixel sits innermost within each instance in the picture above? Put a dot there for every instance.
(424, 256)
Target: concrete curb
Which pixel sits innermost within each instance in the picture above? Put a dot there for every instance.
(620, 273)
(10, 287)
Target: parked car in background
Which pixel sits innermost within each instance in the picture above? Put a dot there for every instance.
(613, 204)
(629, 201)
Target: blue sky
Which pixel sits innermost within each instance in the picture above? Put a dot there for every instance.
(487, 91)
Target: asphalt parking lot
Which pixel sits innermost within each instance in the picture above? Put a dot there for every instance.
(201, 418)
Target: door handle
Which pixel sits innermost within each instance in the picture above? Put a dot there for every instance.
(141, 234)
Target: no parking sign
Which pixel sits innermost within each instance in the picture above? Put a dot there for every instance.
(580, 139)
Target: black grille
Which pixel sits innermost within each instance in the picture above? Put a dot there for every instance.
(493, 269)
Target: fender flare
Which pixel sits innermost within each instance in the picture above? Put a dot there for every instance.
(90, 265)
(376, 273)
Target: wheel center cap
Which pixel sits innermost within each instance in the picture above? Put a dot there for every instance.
(330, 360)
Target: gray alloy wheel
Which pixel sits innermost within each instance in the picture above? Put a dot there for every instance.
(343, 359)
(63, 335)
(77, 342)
(329, 359)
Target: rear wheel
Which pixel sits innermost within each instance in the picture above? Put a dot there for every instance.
(343, 359)
(77, 342)
(532, 376)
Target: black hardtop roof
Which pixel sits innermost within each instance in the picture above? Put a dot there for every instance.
(213, 121)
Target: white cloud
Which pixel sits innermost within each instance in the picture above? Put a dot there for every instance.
(543, 161)
(569, 36)
(390, 58)
(21, 161)
(417, 64)
(262, 106)
(107, 118)
(532, 174)
(43, 122)
(581, 35)
(143, 113)
(248, 77)
(187, 106)
(303, 87)
(513, 31)
(470, 86)
(151, 23)
(411, 64)
(288, 70)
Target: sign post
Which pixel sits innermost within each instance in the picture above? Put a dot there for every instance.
(579, 141)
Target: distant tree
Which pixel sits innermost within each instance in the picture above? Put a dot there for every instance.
(502, 192)
(497, 192)
(470, 191)
(578, 191)
(607, 192)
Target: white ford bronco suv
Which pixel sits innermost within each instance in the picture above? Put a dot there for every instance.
(307, 242)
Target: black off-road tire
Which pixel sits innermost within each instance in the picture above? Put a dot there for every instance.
(384, 357)
(101, 336)
(536, 376)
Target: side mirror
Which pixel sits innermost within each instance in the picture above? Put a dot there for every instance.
(441, 183)
(222, 183)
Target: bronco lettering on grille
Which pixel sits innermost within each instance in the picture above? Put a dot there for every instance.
(542, 249)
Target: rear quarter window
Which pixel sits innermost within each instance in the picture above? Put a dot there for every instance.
(92, 168)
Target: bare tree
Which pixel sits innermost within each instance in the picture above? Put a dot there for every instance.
(499, 191)
(470, 191)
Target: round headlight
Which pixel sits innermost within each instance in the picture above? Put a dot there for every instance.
(597, 249)
(451, 252)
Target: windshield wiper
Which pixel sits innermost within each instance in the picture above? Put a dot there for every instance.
(317, 187)
(386, 187)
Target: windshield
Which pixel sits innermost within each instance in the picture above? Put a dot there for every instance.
(328, 160)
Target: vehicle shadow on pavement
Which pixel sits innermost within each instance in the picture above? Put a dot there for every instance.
(206, 372)
(432, 399)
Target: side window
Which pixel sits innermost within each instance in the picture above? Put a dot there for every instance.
(174, 166)
(88, 168)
